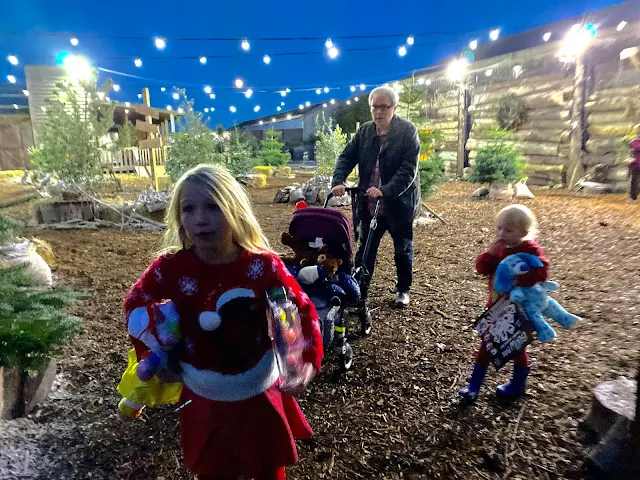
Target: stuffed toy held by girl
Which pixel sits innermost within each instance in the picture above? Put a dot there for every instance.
(533, 299)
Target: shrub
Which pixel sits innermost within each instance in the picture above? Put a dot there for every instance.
(329, 146)
(497, 161)
(431, 165)
(271, 153)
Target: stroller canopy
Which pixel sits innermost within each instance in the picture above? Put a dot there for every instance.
(331, 226)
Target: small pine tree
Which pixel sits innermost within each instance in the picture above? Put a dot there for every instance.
(127, 136)
(431, 165)
(234, 152)
(33, 323)
(498, 161)
(329, 146)
(413, 97)
(193, 144)
(271, 153)
(77, 120)
(7, 226)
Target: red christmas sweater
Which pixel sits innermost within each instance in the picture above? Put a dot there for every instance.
(230, 438)
(487, 262)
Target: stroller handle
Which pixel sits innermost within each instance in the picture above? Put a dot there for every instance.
(350, 190)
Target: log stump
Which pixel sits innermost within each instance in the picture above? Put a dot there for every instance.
(21, 393)
(611, 420)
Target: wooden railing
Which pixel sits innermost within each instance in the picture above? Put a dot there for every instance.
(127, 159)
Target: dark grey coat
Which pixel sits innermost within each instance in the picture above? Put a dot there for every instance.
(399, 175)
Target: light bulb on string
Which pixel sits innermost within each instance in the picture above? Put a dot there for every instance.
(494, 34)
(140, 95)
(348, 102)
(168, 107)
(324, 105)
(326, 89)
(180, 110)
(266, 59)
(402, 50)
(273, 120)
(203, 60)
(301, 107)
(212, 96)
(410, 40)
(163, 89)
(248, 93)
(126, 111)
(308, 104)
(333, 53)
(489, 72)
(207, 89)
(288, 90)
(278, 108)
(233, 109)
(546, 36)
(328, 44)
(25, 92)
(352, 88)
(473, 44)
(11, 79)
(245, 45)
(621, 25)
(282, 104)
(289, 116)
(332, 101)
(206, 110)
(13, 60)
(212, 109)
(260, 122)
(283, 93)
(15, 106)
(362, 86)
(74, 41)
(176, 96)
(127, 104)
(239, 83)
(160, 43)
(137, 62)
(318, 91)
(355, 99)
(116, 87)
(256, 108)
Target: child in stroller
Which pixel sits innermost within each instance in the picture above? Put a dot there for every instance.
(333, 283)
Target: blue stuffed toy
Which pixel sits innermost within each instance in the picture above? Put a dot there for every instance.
(533, 299)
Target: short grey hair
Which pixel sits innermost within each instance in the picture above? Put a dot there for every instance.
(391, 94)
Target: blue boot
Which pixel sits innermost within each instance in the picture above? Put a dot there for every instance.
(516, 387)
(470, 391)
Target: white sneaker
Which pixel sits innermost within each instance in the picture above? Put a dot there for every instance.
(402, 299)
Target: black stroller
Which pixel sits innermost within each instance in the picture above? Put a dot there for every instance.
(335, 230)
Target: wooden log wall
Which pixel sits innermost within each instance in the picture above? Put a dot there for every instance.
(612, 111)
(546, 86)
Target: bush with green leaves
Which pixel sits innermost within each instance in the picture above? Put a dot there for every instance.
(33, 323)
(348, 116)
(431, 165)
(234, 151)
(498, 161)
(77, 121)
(330, 144)
(193, 144)
(271, 152)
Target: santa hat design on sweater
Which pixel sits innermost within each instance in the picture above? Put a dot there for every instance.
(210, 319)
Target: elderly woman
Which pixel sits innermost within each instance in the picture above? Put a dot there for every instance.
(386, 151)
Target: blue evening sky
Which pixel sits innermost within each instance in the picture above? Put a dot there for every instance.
(451, 24)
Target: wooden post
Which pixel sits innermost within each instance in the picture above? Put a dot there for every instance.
(462, 127)
(575, 170)
(152, 158)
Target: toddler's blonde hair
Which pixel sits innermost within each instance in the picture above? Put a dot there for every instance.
(229, 196)
(521, 217)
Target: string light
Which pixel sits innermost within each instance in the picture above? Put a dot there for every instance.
(168, 107)
(301, 107)
(180, 110)
(212, 109)
(621, 25)
(308, 104)
(355, 98)
(13, 60)
(160, 43)
(332, 101)
(289, 116)
(517, 70)
(456, 69)
(25, 92)
(273, 120)
(248, 93)
(163, 89)
(410, 40)
(137, 62)
(206, 110)
(279, 108)
(127, 104)
(116, 87)
(324, 105)
(203, 60)
(283, 93)
(266, 59)
(256, 108)
(140, 95)
(348, 102)
(333, 53)
(362, 86)
(473, 44)
(176, 96)
(233, 109)
(108, 99)
(402, 50)
(352, 88)
(326, 89)
(212, 96)
(126, 111)
(494, 34)
(239, 83)
(245, 45)
(207, 90)
(546, 36)
(318, 91)
(74, 41)
(260, 122)
(328, 44)
(489, 72)
(15, 106)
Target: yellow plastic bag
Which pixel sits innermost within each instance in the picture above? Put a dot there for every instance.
(152, 393)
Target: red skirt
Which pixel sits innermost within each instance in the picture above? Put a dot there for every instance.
(241, 438)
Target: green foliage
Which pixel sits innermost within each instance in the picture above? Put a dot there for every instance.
(329, 146)
(7, 226)
(413, 97)
(498, 161)
(192, 145)
(349, 115)
(431, 165)
(127, 136)
(271, 153)
(512, 111)
(77, 121)
(624, 146)
(234, 152)
(33, 323)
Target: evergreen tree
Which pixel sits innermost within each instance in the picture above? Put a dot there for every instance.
(7, 226)
(271, 147)
(412, 100)
(77, 121)
(329, 146)
(497, 161)
(33, 323)
(357, 112)
(193, 144)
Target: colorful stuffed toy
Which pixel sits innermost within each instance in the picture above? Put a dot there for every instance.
(302, 252)
(534, 299)
(324, 279)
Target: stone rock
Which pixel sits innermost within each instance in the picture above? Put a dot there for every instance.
(481, 192)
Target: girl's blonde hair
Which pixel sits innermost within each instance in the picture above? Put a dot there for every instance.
(232, 200)
(519, 216)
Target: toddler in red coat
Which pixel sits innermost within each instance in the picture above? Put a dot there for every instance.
(235, 419)
(516, 227)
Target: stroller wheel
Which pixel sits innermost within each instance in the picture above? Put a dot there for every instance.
(346, 358)
(365, 321)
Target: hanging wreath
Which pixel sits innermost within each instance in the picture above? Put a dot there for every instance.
(512, 112)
